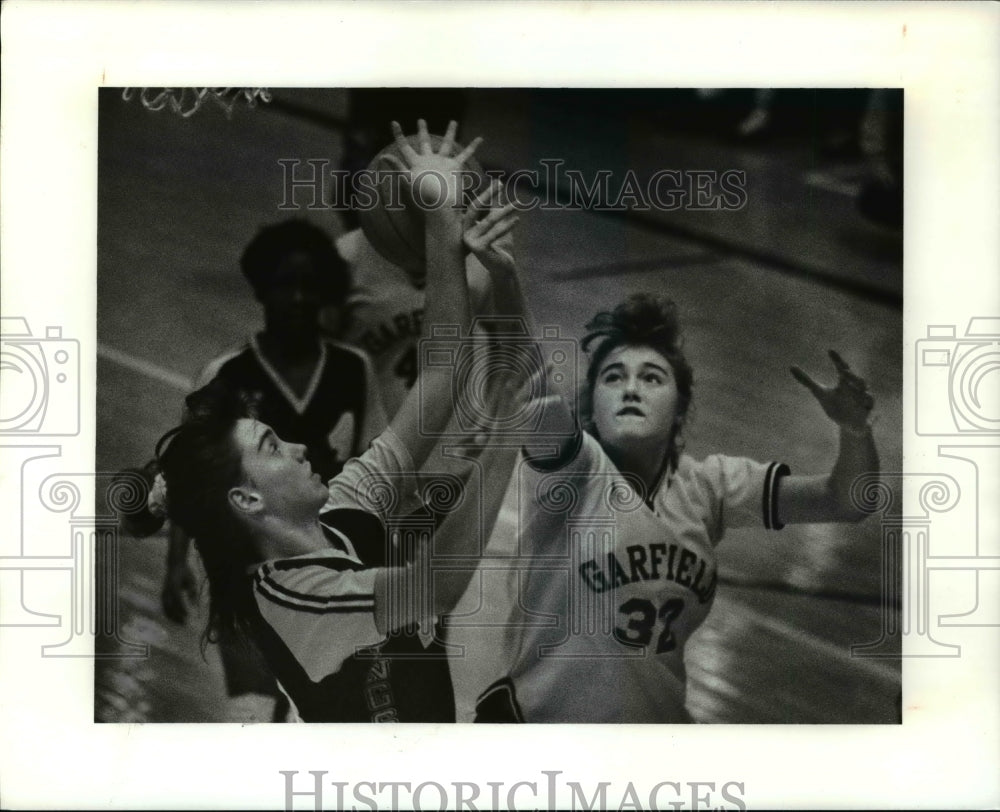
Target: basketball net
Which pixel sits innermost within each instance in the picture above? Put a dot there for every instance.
(186, 101)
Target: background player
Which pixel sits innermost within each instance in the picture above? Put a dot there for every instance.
(385, 307)
(384, 312)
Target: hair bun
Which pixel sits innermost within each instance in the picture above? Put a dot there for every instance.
(641, 319)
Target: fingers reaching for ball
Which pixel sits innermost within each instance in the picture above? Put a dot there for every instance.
(469, 151)
(848, 403)
(489, 202)
(482, 202)
(448, 142)
(407, 150)
(435, 177)
(490, 237)
(496, 224)
(423, 141)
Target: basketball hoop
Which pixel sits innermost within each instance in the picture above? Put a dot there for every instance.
(186, 101)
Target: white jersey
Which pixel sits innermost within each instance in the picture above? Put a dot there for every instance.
(612, 586)
(385, 314)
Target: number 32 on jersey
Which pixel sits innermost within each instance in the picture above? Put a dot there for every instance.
(642, 619)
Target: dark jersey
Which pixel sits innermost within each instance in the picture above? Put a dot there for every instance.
(314, 615)
(315, 626)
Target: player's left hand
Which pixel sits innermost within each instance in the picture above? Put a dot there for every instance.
(491, 237)
(848, 403)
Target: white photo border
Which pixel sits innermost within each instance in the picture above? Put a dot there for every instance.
(55, 57)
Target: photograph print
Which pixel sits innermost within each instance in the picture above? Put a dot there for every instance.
(499, 405)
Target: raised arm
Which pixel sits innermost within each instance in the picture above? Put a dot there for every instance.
(463, 534)
(460, 540)
(827, 498)
(434, 179)
(489, 235)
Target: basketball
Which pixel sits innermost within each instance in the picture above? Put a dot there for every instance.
(394, 225)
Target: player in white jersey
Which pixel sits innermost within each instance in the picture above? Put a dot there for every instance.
(385, 310)
(619, 529)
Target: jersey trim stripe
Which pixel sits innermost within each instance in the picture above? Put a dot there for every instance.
(341, 541)
(663, 475)
(266, 580)
(298, 404)
(339, 564)
(775, 471)
(300, 606)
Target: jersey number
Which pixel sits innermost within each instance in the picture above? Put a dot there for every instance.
(642, 617)
(406, 368)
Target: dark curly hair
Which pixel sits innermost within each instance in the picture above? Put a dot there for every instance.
(200, 462)
(642, 320)
(273, 242)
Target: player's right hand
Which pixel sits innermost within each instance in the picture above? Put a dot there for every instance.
(179, 589)
(425, 170)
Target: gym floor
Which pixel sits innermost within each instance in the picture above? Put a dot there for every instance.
(795, 272)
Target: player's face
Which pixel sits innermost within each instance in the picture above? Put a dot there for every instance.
(293, 297)
(278, 473)
(635, 399)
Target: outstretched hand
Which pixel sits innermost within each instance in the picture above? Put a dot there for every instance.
(848, 403)
(433, 177)
(491, 237)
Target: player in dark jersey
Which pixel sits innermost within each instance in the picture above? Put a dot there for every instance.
(310, 388)
(344, 619)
